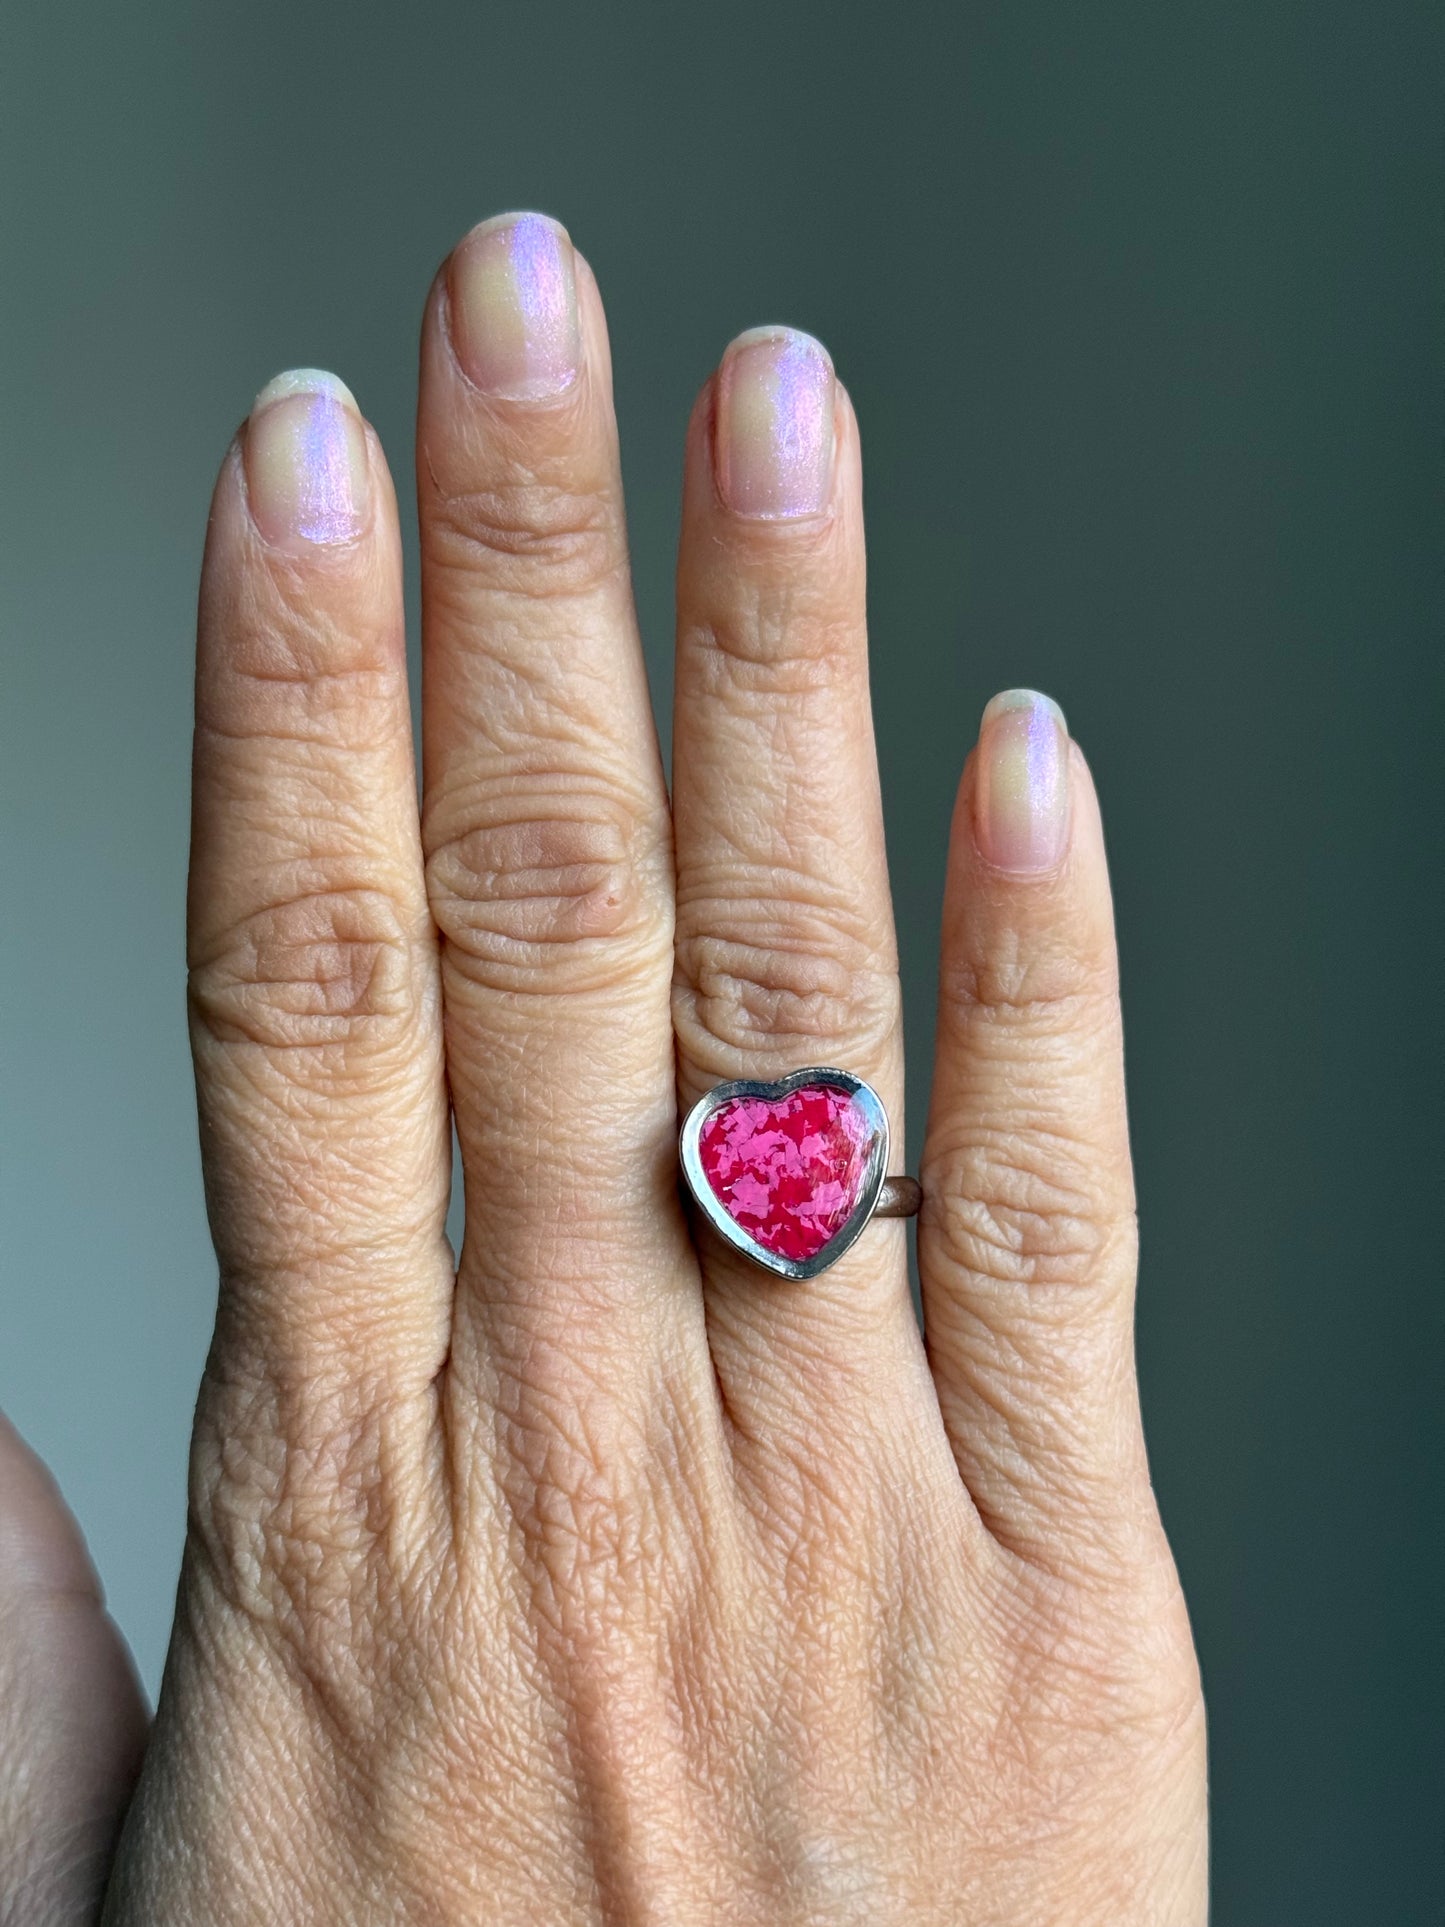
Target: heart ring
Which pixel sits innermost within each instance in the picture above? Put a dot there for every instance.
(789, 1173)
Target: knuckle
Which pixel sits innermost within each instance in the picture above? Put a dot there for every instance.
(1016, 979)
(1076, 1689)
(535, 887)
(583, 1479)
(778, 638)
(1022, 1209)
(285, 1505)
(823, 979)
(530, 537)
(298, 665)
(327, 971)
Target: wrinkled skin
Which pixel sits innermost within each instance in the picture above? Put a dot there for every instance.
(599, 1577)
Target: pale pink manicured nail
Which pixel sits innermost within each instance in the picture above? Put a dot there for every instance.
(773, 441)
(307, 476)
(513, 295)
(1021, 802)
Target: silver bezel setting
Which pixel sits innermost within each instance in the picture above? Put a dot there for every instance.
(712, 1206)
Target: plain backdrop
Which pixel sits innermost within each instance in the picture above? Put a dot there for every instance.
(1137, 304)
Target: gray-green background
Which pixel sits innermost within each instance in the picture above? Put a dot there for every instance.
(1135, 301)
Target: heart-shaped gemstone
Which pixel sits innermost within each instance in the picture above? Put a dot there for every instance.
(788, 1169)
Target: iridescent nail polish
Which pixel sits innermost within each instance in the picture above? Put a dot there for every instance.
(773, 437)
(1021, 798)
(307, 475)
(513, 295)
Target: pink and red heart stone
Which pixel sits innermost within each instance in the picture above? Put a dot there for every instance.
(788, 1169)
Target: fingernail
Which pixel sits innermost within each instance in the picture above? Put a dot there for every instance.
(307, 475)
(514, 307)
(773, 441)
(1021, 813)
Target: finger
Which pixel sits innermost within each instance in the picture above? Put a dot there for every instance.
(545, 820)
(785, 945)
(315, 1012)
(72, 1720)
(1027, 1239)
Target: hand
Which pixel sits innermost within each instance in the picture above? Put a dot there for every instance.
(603, 1577)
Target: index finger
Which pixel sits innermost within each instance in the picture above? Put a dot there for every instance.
(314, 1009)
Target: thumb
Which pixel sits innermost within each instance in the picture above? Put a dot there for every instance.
(72, 1718)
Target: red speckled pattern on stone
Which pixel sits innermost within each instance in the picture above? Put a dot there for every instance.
(788, 1169)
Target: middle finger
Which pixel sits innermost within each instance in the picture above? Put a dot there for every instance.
(545, 819)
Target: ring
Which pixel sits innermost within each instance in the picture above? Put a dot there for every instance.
(789, 1173)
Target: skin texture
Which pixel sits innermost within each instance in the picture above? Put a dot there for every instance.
(72, 1721)
(598, 1576)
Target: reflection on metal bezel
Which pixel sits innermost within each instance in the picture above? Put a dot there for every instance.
(711, 1205)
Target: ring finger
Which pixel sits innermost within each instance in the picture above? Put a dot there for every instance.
(785, 943)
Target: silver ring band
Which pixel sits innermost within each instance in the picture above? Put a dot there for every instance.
(899, 1198)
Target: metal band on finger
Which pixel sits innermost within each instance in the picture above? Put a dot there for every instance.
(899, 1198)
(790, 1173)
